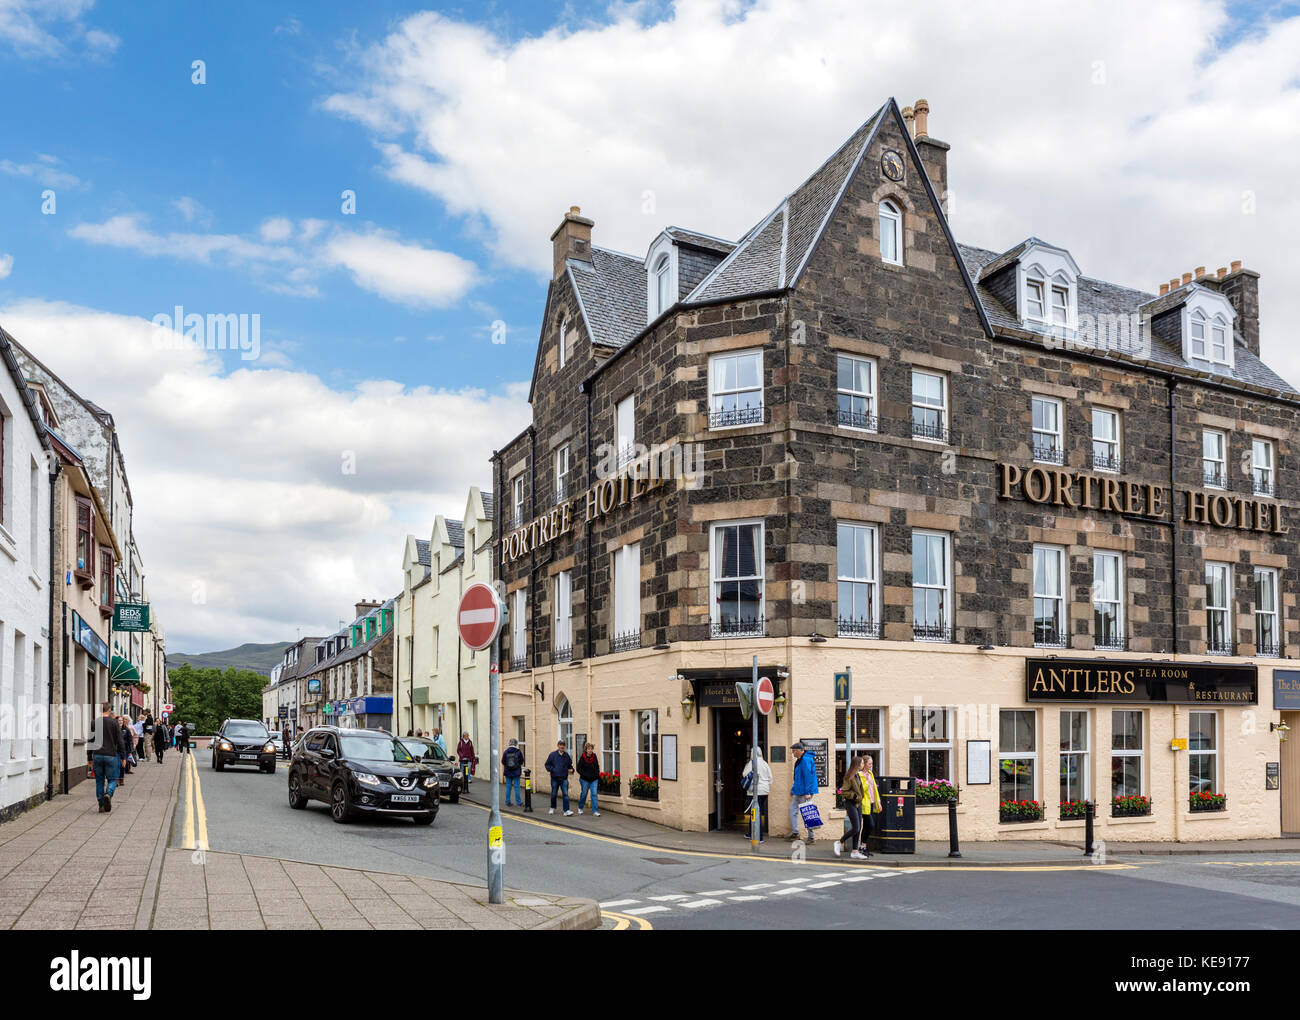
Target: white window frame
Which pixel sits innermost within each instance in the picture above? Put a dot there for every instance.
(1036, 299)
(563, 463)
(1047, 554)
(518, 497)
(661, 284)
(866, 573)
(1211, 608)
(1048, 443)
(1018, 756)
(1113, 460)
(926, 715)
(758, 626)
(647, 742)
(625, 583)
(1099, 599)
(1262, 470)
(1138, 752)
(564, 335)
(518, 625)
(867, 398)
(562, 625)
(925, 405)
(946, 616)
(1263, 612)
(564, 724)
(521, 735)
(1082, 753)
(1221, 462)
(625, 428)
(1060, 311)
(891, 229)
(1211, 752)
(752, 413)
(611, 757)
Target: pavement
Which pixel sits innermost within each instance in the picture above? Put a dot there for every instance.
(64, 865)
(992, 853)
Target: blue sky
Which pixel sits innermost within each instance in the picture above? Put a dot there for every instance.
(1157, 138)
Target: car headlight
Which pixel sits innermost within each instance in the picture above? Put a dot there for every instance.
(431, 782)
(365, 777)
(225, 745)
(269, 748)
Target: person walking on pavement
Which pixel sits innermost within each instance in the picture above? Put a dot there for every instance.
(764, 788)
(588, 778)
(871, 802)
(465, 752)
(140, 753)
(437, 739)
(803, 789)
(512, 766)
(182, 738)
(559, 766)
(103, 751)
(287, 736)
(852, 793)
(148, 733)
(159, 739)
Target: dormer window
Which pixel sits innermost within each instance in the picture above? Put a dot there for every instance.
(661, 277)
(663, 284)
(891, 233)
(1034, 299)
(1207, 330)
(1048, 287)
(1060, 306)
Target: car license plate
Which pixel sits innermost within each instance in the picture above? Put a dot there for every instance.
(404, 798)
(250, 757)
(446, 783)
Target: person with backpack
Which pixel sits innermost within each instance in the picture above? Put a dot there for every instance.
(803, 788)
(160, 739)
(853, 793)
(764, 788)
(588, 778)
(512, 767)
(559, 766)
(182, 734)
(468, 759)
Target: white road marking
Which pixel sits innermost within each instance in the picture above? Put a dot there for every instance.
(700, 903)
(667, 899)
(611, 904)
(746, 899)
(639, 911)
(820, 885)
(786, 892)
(756, 885)
(829, 874)
(714, 892)
(858, 878)
(794, 881)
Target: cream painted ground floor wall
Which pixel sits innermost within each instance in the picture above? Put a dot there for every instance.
(972, 688)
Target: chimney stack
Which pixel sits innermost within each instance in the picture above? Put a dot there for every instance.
(1164, 289)
(1223, 271)
(909, 121)
(1241, 287)
(365, 606)
(934, 153)
(571, 240)
(1187, 278)
(1173, 284)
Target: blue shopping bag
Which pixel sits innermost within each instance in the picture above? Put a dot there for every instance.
(811, 818)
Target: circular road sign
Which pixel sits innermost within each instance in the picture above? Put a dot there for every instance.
(479, 616)
(765, 695)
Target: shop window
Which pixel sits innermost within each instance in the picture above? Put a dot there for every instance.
(1049, 596)
(863, 738)
(856, 395)
(1018, 755)
(736, 390)
(858, 608)
(1267, 632)
(1203, 752)
(1074, 755)
(647, 743)
(609, 743)
(930, 747)
(1048, 430)
(1218, 615)
(1127, 749)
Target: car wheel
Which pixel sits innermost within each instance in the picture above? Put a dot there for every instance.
(216, 764)
(424, 819)
(340, 803)
(296, 800)
(454, 798)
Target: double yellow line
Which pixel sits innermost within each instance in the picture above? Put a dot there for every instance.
(196, 816)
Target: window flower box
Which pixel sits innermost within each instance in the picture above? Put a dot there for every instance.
(1207, 801)
(934, 791)
(1074, 809)
(1130, 807)
(1020, 811)
(645, 787)
(610, 783)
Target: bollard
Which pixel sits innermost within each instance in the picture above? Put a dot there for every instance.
(953, 849)
(1089, 812)
(528, 790)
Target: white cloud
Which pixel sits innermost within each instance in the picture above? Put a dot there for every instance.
(6, 265)
(45, 171)
(45, 28)
(378, 261)
(1139, 149)
(193, 210)
(239, 479)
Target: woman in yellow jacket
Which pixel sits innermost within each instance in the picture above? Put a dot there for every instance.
(871, 803)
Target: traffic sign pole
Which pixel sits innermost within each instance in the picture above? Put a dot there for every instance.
(496, 837)
(756, 822)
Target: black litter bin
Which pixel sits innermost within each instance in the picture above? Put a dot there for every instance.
(893, 830)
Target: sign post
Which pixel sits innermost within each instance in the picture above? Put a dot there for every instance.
(844, 693)
(764, 698)
(479, 620)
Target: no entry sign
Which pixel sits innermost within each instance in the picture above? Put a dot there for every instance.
(764, 696)
(479, 616)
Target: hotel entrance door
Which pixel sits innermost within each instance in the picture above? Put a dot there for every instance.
(731, 740)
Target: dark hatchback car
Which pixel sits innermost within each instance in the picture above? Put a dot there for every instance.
(361, 772)
(436, 758)
(243, 742)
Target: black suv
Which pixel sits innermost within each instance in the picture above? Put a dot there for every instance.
(361, 771)
(426, 751)
(243, 742)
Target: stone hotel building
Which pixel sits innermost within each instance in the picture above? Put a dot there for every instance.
(1047, 523)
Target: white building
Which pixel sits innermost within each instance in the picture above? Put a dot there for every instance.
(25, 459)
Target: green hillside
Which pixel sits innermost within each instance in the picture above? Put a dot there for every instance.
(259, 658)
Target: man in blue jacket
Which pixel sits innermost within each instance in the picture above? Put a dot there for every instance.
(803, 788)
(559, 766)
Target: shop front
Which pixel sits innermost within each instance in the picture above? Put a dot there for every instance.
(368, 713)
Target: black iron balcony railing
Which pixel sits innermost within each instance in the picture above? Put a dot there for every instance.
(1049, 637)
(518, 662)
(1110, 642)
(920, 430)
(1218, 644)
(561, 490)
(1213, 477)
(1105, 462)
(1268, 648)
(1048, 453)
(857, 628)
(625, 642)
(931, 632)
(857, 420)
(1263, 486)
(738, 626)
(735, 417)
(562, 653)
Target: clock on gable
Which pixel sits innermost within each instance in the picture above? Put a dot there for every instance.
(892, 165)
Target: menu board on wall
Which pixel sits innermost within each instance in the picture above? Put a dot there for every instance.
(820, 749)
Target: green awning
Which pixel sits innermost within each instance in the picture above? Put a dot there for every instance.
(123, 672)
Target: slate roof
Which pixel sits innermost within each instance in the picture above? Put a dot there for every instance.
(422, 555)
(487, 503)
(355, 652)
(1097, 298)
(684, 236)
(611, 292)
(456, 533)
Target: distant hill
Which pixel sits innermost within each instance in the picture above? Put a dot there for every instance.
(259, 658)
